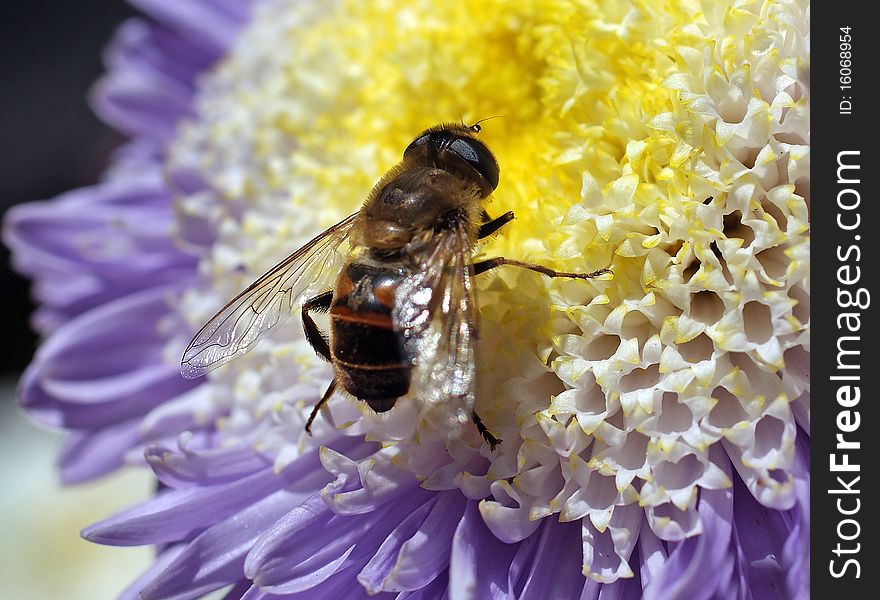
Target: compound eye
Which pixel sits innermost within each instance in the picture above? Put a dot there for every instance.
(477, 155)
(419, 141)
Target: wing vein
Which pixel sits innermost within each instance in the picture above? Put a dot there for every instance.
(266, 303)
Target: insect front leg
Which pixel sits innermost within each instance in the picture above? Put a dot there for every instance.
(491, 263)
(490, 225)
(316, 339)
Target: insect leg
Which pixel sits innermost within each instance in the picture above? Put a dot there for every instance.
(327, 394)
(484, 431)
(491, 263)
(316, 339)
(493, 225)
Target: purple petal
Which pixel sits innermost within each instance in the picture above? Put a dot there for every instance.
(212, 25)
(152, 67)
(338, 586)
(693, 569)
(149, 47)
(523, 560)
(96, 244)
(625, 589)
(215, 558)
(361, 487)
(480, 562)
(134, 159)
(178, 514)
(435, 590)
(238, 590)
(138, 104)
(105, 366)
(312, 543)
(653, 555)
(591, 590)
(88, 454)
(760, 534)
(192, 410)
(796, 552)
(205, 467)
(133, 591)
(417, 551)
(554, 572)
(773, 545)
(194, 227)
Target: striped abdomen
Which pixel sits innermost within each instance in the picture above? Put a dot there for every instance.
(368, 354)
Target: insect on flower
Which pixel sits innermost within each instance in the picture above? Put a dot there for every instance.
(402, 267)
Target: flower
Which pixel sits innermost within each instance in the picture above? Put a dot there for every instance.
(103, 258)
(655, 422)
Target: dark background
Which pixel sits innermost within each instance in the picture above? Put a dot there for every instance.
(832, 133)
(50, 54)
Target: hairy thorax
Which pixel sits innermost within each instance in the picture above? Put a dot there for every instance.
(409, 202)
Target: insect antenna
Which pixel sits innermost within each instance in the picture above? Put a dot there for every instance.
(476, 126)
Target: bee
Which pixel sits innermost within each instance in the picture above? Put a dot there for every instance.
(403, 267)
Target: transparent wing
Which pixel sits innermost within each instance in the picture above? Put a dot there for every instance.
(266, 303)
(435, 310)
